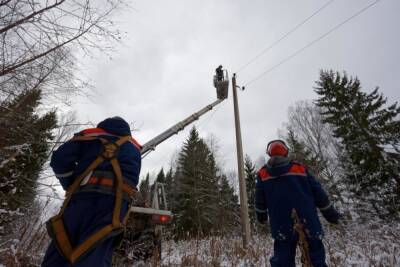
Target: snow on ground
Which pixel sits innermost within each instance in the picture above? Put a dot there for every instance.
(355, 245)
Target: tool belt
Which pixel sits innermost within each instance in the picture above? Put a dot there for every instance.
(115, 185)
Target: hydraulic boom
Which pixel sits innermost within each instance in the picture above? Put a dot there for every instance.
(151, 145)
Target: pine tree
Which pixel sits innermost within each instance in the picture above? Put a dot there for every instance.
(229, 210)
(144, 189)
(367, 128)
(250, 177)
(196, 194)
(170, 188)
(24, 148)
(160, 176)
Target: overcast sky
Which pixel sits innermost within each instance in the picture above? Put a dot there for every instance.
(163, 70)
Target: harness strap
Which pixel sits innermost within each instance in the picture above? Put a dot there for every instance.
(118, 193)
(90, 242)
(56, 225)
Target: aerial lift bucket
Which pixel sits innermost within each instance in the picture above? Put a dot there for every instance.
(221, 83)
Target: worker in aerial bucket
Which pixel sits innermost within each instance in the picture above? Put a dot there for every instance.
(285, 186)
(99, 169)
(220, 73)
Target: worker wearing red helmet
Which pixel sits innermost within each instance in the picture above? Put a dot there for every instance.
(284, 185)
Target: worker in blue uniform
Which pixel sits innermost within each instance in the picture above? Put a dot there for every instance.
(92, 220)
(282, 186)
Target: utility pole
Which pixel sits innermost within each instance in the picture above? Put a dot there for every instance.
(242, 185)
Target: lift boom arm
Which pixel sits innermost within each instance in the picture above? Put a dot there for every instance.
(151, 145)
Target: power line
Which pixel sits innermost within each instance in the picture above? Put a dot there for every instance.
(284, 36)
(312, 43)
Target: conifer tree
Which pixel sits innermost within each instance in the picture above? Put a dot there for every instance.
(160, 176)
(196, 194)
(144, 188)
(24, 147)
(229, 212)
(369, 132)
(170, 188)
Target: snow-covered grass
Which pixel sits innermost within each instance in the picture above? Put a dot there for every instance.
(216, 252)
(354, 245)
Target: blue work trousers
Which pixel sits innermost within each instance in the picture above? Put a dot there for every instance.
(86, 214)
(285, 253)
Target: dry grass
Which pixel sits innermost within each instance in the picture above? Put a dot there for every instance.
(355, 245)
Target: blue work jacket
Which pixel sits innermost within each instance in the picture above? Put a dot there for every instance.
(90, 210)
(283, 185)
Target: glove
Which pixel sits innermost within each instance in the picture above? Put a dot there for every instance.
(331, 215)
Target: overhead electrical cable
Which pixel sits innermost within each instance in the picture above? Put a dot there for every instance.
(311, 43)
(284, 36)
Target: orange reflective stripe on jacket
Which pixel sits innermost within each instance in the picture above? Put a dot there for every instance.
(295, 169)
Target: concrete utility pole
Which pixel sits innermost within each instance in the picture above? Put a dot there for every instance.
(242, 185)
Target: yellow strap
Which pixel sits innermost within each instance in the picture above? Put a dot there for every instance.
(118, 185)
(88, 243)
(118, 193)
(123, 140)
(61, 236)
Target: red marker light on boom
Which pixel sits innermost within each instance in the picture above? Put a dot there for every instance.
(163, 219)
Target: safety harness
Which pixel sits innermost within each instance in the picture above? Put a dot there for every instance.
(56, 227)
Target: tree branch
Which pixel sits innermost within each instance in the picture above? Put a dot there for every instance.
(24, 19)
(16, 66)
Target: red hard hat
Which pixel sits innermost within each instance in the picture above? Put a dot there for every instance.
(277, 148)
